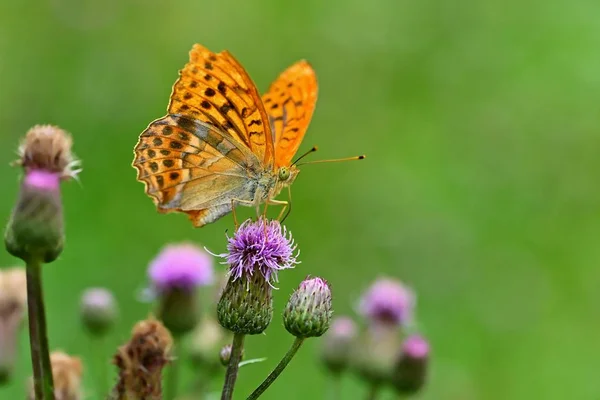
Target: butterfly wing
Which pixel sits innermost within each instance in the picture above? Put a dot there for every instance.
(216, 89)
(290, 103)
(192, 167)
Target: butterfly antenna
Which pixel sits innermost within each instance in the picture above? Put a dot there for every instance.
(305, 154)
(334, 160)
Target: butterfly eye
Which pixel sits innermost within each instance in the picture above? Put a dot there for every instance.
(284, 173)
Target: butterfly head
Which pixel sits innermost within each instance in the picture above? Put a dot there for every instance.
(287, 175)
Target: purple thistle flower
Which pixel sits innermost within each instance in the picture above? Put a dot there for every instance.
(388, 301)
(181, 266)
(263, 246)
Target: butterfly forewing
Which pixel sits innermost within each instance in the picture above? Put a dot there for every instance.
(216, 89)
(290, 103)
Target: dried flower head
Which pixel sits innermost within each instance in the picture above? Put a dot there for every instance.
(308, 312)
(388, 301)
(338, 343)
(263, 247)
(13, 304)
(48, 148)
(67, 372)
(98, 310)
(181, 266)
(411, 368)
(141, 361)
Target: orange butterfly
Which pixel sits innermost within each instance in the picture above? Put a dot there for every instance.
(221, 144)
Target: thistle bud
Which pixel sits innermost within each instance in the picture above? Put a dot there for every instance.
(176, 274)
(376, 353)
(308, 312)
(13, 306)
(338, 343)
(36, 226)
(204, 344)
(67, 372)
(225, 355)
(141, 361)
(256, 252)
(98, 310)
(410, 371)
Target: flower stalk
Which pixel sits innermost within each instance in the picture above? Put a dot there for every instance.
(40, 357)
(237, 348)
(278, 369)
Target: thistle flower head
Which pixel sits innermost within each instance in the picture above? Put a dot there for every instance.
(48, 148)
(388, 301)
(67, 373)
(263, 247)
(98, 310)
(308, 312)
(36, 227)
(410, 372)
(13, 303)
(338, 343)
(181, 266)
(141, 361)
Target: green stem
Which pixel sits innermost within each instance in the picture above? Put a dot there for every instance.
(38, 339)
(335, 391)
(234, 364)
(98, 343)
(373, 392)
(173, 373)
(278, 369)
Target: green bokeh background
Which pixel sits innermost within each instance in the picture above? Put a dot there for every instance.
(480, 190)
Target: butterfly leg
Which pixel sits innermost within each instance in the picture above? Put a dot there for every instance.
(233, 203)
(288, 206)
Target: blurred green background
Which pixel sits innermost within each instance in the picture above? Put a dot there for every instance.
(480, 190)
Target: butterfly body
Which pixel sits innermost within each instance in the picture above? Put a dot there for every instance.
(221, 145)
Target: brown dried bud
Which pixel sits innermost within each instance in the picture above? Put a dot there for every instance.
(13, 303)
(141, 361)
(48, 148)
(67, 372)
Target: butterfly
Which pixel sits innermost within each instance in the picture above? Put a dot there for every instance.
(222, 144)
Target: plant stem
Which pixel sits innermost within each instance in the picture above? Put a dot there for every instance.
(234, 364)
(335, 386)
(173, 373)
(278, 369)
(38, 339)
(373, 392)
(98, 343)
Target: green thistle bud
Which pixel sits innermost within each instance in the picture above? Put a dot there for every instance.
(246, 306)
(376, 353)
(98, 310)
(308, 312)
(36, 228)
(338, 344)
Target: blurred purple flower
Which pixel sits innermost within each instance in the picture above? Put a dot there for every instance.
(263, 246)
(388, 301)
(181, 266)
(342, 328)
(415, 346)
